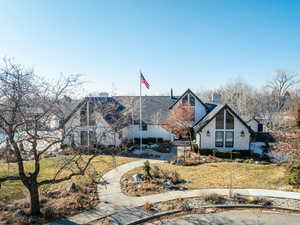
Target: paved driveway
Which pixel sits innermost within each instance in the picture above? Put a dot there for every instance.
(253, 217)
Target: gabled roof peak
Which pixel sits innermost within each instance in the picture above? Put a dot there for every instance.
(191, 92)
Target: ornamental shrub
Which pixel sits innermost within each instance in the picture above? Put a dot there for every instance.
(293, 174)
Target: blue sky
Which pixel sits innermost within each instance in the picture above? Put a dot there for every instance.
(179, 44)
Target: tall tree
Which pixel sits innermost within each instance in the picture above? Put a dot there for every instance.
(281, 86)
(28, 104)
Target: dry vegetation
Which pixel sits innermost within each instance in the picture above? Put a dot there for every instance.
(56, 201)
(217, 175)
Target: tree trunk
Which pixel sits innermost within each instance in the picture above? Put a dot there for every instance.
(34, 198)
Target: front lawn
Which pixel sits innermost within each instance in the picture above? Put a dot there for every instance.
(218, 175)
(13, 190)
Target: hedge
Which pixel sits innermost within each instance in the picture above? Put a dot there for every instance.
(234, 154)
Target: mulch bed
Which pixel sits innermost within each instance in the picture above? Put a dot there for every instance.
(56, 203)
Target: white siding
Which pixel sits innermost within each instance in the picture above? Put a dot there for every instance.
(240, 143)
(200, 111)
(102, 127)
(208, 142)
(153, 131)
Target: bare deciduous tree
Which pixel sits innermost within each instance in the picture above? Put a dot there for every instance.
(28, 105)
(280, 87)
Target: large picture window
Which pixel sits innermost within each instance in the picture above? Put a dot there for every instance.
(220, 120)
(224, 129)
(83, 138)
(229, 136)
(219, 138)
(229, 121)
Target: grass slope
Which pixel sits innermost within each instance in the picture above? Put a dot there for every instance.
(217, 175)
(12, 190)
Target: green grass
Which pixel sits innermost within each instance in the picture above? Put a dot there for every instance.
(12, 190)
(217, 175)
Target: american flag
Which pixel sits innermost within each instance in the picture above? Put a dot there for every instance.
(143, 81)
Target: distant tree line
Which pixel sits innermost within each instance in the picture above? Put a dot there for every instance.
(276, 97)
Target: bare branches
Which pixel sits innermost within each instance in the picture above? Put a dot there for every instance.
(281, 86)
(81, 171)
(9, 178)
(28, 107)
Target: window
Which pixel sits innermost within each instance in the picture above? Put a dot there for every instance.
(92, 121)
(185, 99)
(220, 120)
(84, 116)
(93, 137)
(224, 135)
(219, 138)
(144, 126)
(83, 138)
(192, 100)
(260, 127)
(229, 121)
(229, 138)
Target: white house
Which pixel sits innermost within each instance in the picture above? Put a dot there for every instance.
(223, 129)
(216, 126)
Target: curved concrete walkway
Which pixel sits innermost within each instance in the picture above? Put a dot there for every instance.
(113, 200)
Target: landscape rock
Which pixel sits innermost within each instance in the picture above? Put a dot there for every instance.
(71, 187)
(239, 160)
(32, 220)
(103, 182)
(138, 177)
(20, 213)
(210, 210)
(169, 185)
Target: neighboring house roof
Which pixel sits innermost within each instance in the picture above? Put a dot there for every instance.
(186, 92)
(213, 113)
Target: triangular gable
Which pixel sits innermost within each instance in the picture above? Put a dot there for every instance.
(186, 92)
(211, 115)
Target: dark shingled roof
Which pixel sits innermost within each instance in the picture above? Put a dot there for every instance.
(208, 117)
(155, 109)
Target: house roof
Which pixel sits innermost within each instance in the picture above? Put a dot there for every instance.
(189, 91)
(213, 113)
(155, 109)
(254, 119)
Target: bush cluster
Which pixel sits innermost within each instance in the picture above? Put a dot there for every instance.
(293, 174)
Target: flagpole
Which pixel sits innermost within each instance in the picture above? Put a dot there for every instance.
(140, 113)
